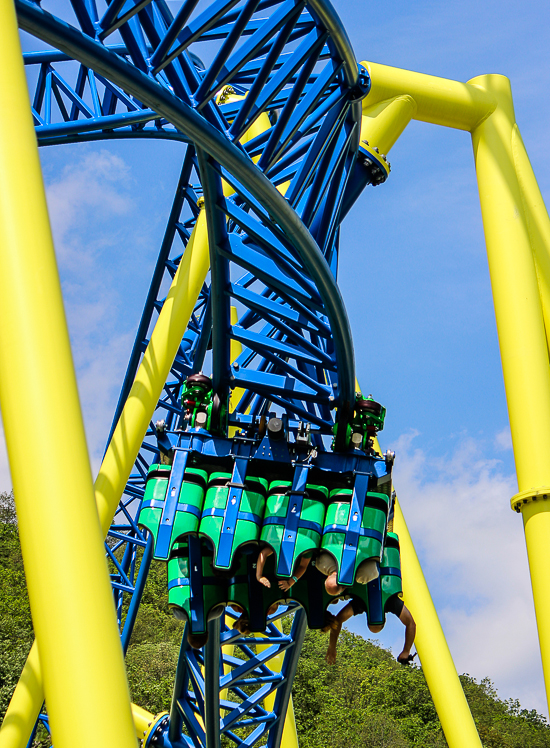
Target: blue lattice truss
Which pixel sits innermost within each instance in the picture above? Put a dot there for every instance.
(203, 76)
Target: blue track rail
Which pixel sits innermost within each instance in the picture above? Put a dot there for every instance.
(202, 76)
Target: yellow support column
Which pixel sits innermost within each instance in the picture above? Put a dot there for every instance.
(142, 720)
(152, 373)
(25, 704)
(127, 438)
(62, 545)
(522, 336)
(438, 100)
(437, 663)
(537, 222)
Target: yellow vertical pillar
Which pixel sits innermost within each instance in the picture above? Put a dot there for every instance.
(522, 336)
(126, 441)
(62, 545)
(537, 222)
(124, 447)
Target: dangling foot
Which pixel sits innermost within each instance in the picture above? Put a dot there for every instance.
(404, 659)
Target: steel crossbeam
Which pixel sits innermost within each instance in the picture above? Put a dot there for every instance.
(242, 712)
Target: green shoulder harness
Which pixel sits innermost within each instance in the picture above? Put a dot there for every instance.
(293, 527)
(195, 592)
(172, 503)
(366, 541)
(232, 515)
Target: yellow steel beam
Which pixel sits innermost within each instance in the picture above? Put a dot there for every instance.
(516, 296)
(125, 443)
(142, 720)
(384, 122)
(536, 221)
(437, 663)
(152, 373)
(155, 366)
(510, 207)
(62, 545)
(439, 101)
(434, 653)
(517, 232)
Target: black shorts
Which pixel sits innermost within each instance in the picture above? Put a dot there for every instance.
(394, 605)
(358, 605)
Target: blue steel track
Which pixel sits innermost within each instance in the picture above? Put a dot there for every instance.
(133, 69)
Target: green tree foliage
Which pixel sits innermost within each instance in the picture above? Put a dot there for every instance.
(153, 652)
(366, 700)
(16, 635)
(504, 724)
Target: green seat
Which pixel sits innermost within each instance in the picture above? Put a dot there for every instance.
(349, 542)
(388, 584)
(293, 528)
(195, 592)
(172, 503)
(232, 516)
(252, 596)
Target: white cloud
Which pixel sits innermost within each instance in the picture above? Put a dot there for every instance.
(503, 440)
(89, 191)
(472, 549)
(90, 207)
(86, 204)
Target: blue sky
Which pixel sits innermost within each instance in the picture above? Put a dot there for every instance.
(414, 276)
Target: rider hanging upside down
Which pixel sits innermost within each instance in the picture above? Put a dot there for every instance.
(356, 606)
(366, 572)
